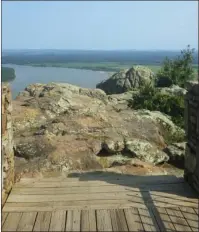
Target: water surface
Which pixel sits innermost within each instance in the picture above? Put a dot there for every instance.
(26, 75)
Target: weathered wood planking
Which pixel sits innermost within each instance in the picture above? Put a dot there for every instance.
(133, 219)
(11, 222)
(27, 221)
(178, 220)
(42, 221)
(104, 220)
(58, 220)
(88, 220)
(129, 219)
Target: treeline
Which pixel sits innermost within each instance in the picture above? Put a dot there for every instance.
(7, 74)
(64, 56)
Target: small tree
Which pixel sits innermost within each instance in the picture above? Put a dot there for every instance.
(179, 70)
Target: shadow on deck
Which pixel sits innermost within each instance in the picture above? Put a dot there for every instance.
(101, 201)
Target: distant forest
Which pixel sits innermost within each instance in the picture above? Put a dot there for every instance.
(7, 74)
(63, 56)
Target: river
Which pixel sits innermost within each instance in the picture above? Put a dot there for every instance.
(26, 75)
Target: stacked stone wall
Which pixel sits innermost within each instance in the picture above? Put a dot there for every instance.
(191, 173)
(7, 153)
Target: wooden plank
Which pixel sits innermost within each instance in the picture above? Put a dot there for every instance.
(133, 197)
(73, 222)
(103, 220)
(121, 220)
(178, 220)
(114, 220)
(85, 225)
(93, 204)
(118, 220)
(91, 177)
(180, 196)
(179, 188)
(92, 220)
(58, 219)
(134, 182)
(76, 225)
(27, 221)
(42, 222)
(148, 220)
(189, 213)
(69, 220)
(133, 219)
(175, 202)
(196, 210)
(88, 222)
(3, 217)
(11, 222)
(49, 206)
(73, 197)
(192, 219)
(82, 191)
(163, 220)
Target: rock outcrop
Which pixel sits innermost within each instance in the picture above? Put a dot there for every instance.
(127, 80)
(173, 90)
(67, 127)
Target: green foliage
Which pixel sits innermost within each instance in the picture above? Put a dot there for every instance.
(151, 99)
(179, 70)
(7, 74)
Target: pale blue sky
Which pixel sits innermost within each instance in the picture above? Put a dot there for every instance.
(105, 25)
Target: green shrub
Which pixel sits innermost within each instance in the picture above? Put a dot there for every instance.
(151, 99)
(177, 71)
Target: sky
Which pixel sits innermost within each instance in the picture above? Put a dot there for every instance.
(103, 25)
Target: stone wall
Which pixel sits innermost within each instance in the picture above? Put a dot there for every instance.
(191, 173)
(7, 143)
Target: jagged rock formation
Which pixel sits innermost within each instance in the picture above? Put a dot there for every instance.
(127, 80)
(64, 127)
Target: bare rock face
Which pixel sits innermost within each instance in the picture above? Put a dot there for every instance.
(68, 127)
(127, 80)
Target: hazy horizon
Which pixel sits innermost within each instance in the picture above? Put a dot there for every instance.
(100, 26)
(101, 50)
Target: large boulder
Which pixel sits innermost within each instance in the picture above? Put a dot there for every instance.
(146, 151)
(127, 80)
(67, 127)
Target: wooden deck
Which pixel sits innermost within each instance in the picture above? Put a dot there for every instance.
(100, 201)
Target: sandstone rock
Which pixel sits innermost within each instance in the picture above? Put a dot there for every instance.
(167, 128)
(30, 148)
(113, 146)
(67, 127)
(145, 151)
(114, 160)
(126, 80)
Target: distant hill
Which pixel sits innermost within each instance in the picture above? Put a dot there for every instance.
(7, 74)
(52, 56)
